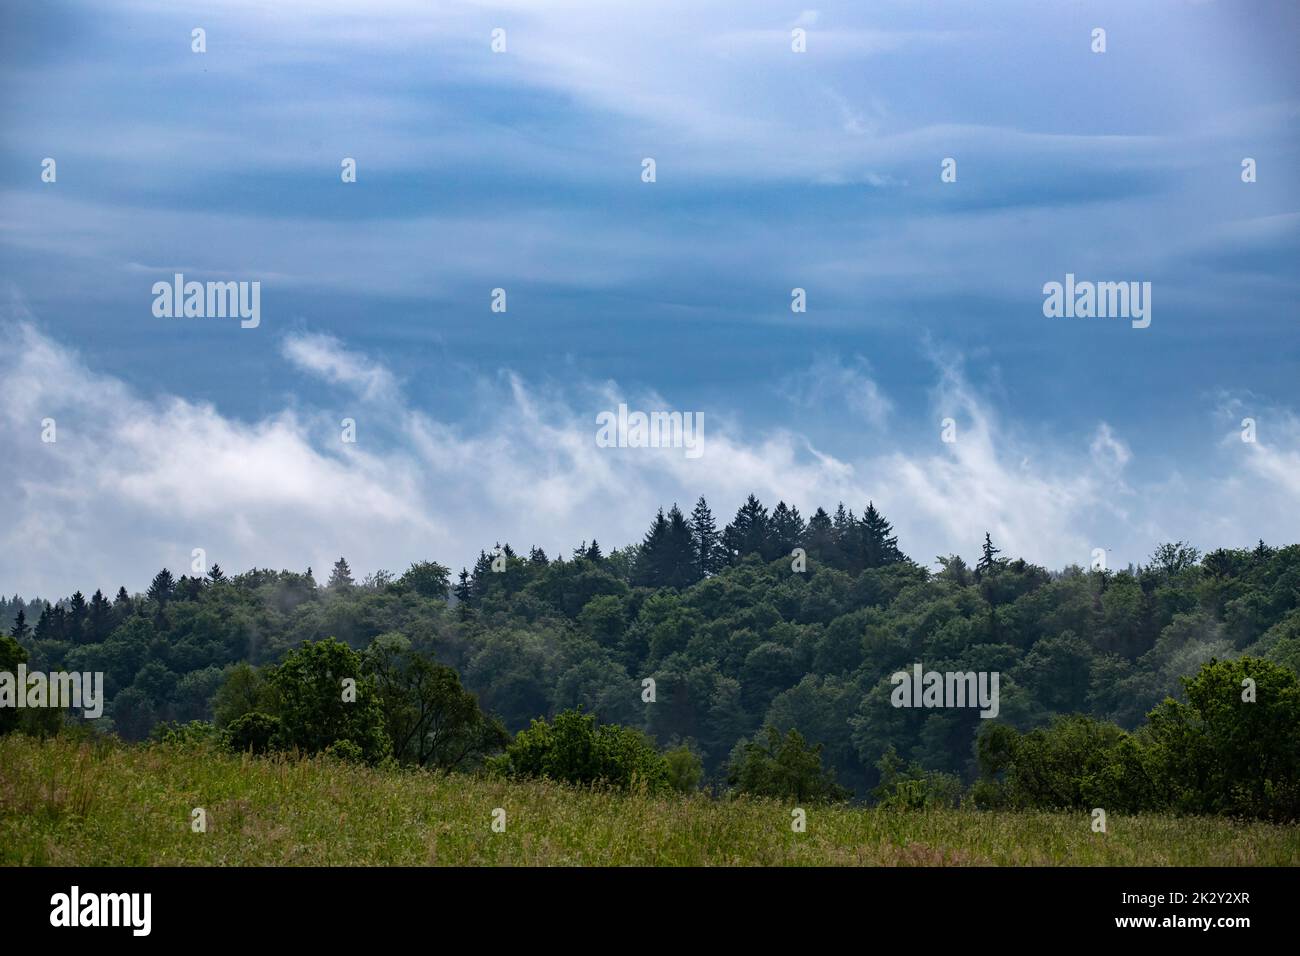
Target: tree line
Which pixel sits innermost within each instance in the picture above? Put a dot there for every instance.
(743, 650)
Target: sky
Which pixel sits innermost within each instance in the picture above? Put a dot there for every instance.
(522, 170)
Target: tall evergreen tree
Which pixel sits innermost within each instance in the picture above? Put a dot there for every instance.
(100, 622)
(78, 611)
(537, 557)
(878, 546)
(787, 529)
(819, 538)
(20, 630)
(215, 574)
(989, 561)
(594, 553)
(122, 606)
(847, 541)
(705, 540)
(651, 557)
(679, 552)
(161, 587)
(341, 576)
(748, 533)
(44, 624)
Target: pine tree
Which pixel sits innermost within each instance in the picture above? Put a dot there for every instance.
(819, 538)
(20, 630)
(651, 557)
(748, 532)
(788, 529)
(989, 561)
(45, 625)
(216, 575)
(78, 611)
(122, 606)
(878, 546)
(678, 563)
(341, 576)
(844, 527)
(161, 587)
(100, 622)
(537, 557)
(594, 553)
(464, 592)
(705, 541)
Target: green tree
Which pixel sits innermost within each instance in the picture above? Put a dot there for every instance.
(574, 749)
(310, 685)
(784, 768)
(431, 720)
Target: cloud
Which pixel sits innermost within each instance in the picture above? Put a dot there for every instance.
(135, 483)
(325, 357)
(828, 383)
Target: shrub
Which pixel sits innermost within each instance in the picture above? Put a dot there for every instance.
(575, 749)
(784, 768)
(253, 732)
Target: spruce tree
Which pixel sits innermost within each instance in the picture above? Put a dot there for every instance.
(20, 630)
(161, 588)
(989, 561)
(78, 611)
(788, 529)
(748, 532)
(878, 546)
(215, 574)
(819, 538)
(678, 561)
(705, 541)
(100, 622)
(341, 576)
(651, 558)
(45, 624)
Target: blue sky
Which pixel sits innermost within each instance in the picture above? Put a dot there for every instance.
(521, 170)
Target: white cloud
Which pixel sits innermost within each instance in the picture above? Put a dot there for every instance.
(133, 484)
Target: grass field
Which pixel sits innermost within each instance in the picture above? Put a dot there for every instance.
(63, 803)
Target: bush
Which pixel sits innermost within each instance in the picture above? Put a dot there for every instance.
(685, 769)
(253, 732)
(909, 787)
(196, 733)
(574, 749)
(783, 768)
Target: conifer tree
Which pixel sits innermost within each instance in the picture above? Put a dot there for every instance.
(705, 541)
(20, 630)
(100, 622)
(878, 546)
(989, 561)
(341, 576)
(161, 588)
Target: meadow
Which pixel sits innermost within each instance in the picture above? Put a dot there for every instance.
(70, 803)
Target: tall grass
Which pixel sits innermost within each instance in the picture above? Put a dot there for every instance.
(81, 804)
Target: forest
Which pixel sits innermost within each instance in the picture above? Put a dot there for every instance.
(769, 641)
